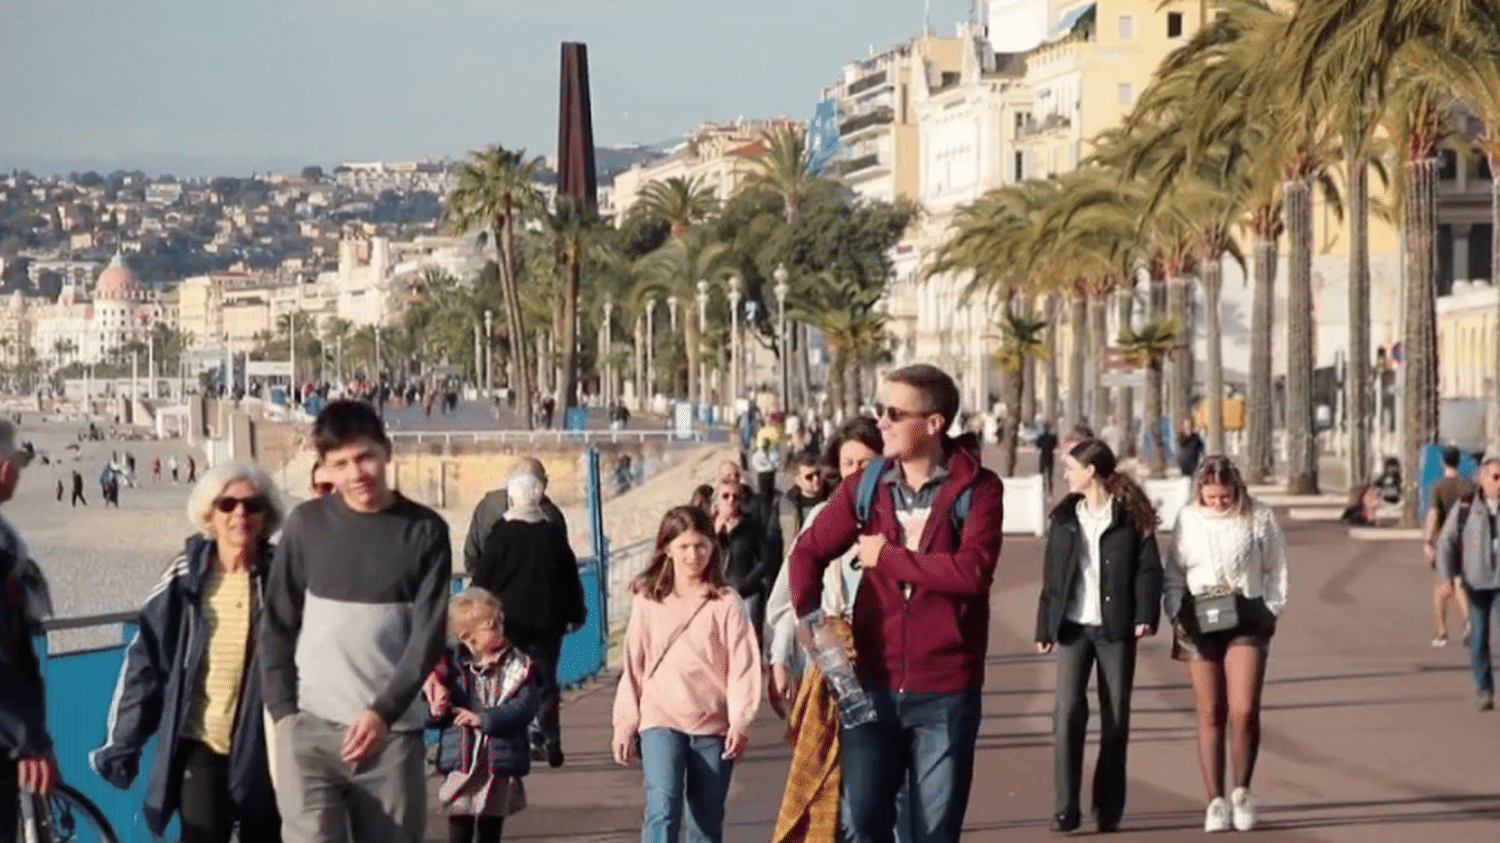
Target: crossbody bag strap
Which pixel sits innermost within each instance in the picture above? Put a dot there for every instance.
(677, 633)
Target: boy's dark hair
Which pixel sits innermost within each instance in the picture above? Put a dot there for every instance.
(344, 422)
(805, 460)
(939, 392)
(1452, 456)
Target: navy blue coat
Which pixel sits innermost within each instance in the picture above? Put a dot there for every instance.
(163, 666)
(504, 726)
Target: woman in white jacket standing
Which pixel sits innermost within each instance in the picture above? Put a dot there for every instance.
(1225, 587)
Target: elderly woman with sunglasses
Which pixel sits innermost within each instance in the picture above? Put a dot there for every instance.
(191, 677)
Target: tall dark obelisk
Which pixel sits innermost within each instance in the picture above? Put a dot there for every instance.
(577, 199)
(576, 178)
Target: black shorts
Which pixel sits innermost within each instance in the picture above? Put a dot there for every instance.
(1256, 628)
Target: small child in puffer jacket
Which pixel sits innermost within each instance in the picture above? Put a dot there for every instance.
(483, 695)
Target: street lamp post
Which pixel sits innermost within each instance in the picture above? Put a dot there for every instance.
(291, 388)
(606, 389)
(781, 289)
(650, 384)
(672, 312)
(735, 349)
(702, 332)
(489, 353)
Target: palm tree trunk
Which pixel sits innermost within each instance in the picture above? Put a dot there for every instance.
(568, 382)
(1301, 435)
(1098, 341)
(1049, 410)
(851, 372)
(1419, 223)
(1357, 372)
(1124, 403)
(1077, 355)
(804, 367)
(1010, 427)
(523, 386)
(1153, 411)
(1213, 283)
(836, 384)
(1179, 367)
(541, 362)
(1494, 160)
(1260, 458)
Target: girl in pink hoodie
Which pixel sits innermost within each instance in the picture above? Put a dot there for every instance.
(691, 682)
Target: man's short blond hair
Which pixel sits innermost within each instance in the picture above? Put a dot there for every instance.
(471, 608)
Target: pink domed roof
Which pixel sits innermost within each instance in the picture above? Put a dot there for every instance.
(116, 282)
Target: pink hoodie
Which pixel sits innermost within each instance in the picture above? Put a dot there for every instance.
(709, 682)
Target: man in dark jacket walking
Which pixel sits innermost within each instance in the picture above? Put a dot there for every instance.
(921, 614)
(26, 760)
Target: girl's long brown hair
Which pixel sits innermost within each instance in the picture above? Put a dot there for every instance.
(659, 578)
(1138, 509)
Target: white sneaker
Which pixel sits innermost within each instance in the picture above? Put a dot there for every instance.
(1243, 809)
(1441, 640)
(1216, 818)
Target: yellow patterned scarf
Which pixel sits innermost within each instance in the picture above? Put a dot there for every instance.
(809, 810)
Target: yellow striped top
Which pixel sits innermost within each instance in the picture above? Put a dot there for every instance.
(226, 619)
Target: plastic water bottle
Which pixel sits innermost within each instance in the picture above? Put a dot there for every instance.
(827, 652)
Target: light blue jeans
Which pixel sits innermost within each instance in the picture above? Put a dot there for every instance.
(681, 767)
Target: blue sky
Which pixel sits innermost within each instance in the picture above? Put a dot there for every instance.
(233, 85)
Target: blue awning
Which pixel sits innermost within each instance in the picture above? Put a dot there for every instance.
(1068, 21)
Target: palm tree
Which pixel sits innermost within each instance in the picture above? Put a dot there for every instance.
(782, 169)
(679, 202)
(495, 190)
(1149, 346)
(847, 314)
(1022, 340)
(675, 270)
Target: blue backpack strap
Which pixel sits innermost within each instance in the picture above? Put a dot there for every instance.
(961, 509)
(869, 479)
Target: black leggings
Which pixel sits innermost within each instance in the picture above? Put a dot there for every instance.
(469, 829)
(207, 811)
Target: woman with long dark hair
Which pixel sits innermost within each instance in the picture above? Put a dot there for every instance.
(1101, 593)
(1227, 548)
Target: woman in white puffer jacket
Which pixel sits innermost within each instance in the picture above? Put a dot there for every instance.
(1226, 543)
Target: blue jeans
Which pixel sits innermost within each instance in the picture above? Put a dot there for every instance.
(925, 741)
(1481, 610)
(677, 766)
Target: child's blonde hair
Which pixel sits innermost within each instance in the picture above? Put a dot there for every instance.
(471, 608)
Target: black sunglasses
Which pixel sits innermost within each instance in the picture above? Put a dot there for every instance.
(253, 506)
(895, 414)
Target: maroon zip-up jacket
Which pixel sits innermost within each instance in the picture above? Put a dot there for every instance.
(932, 638)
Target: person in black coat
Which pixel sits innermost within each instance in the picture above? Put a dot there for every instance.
(528, 563)
(1101, 593)
(751, 561)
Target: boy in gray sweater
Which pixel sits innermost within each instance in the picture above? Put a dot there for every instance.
(355, 617)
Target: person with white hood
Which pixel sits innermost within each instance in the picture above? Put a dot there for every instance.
(527, 562)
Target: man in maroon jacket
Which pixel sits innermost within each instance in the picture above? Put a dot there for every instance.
(921, 612)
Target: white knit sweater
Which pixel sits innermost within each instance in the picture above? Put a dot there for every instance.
(1211, 549)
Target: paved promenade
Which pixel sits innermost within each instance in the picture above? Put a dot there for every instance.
(1370, 735)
